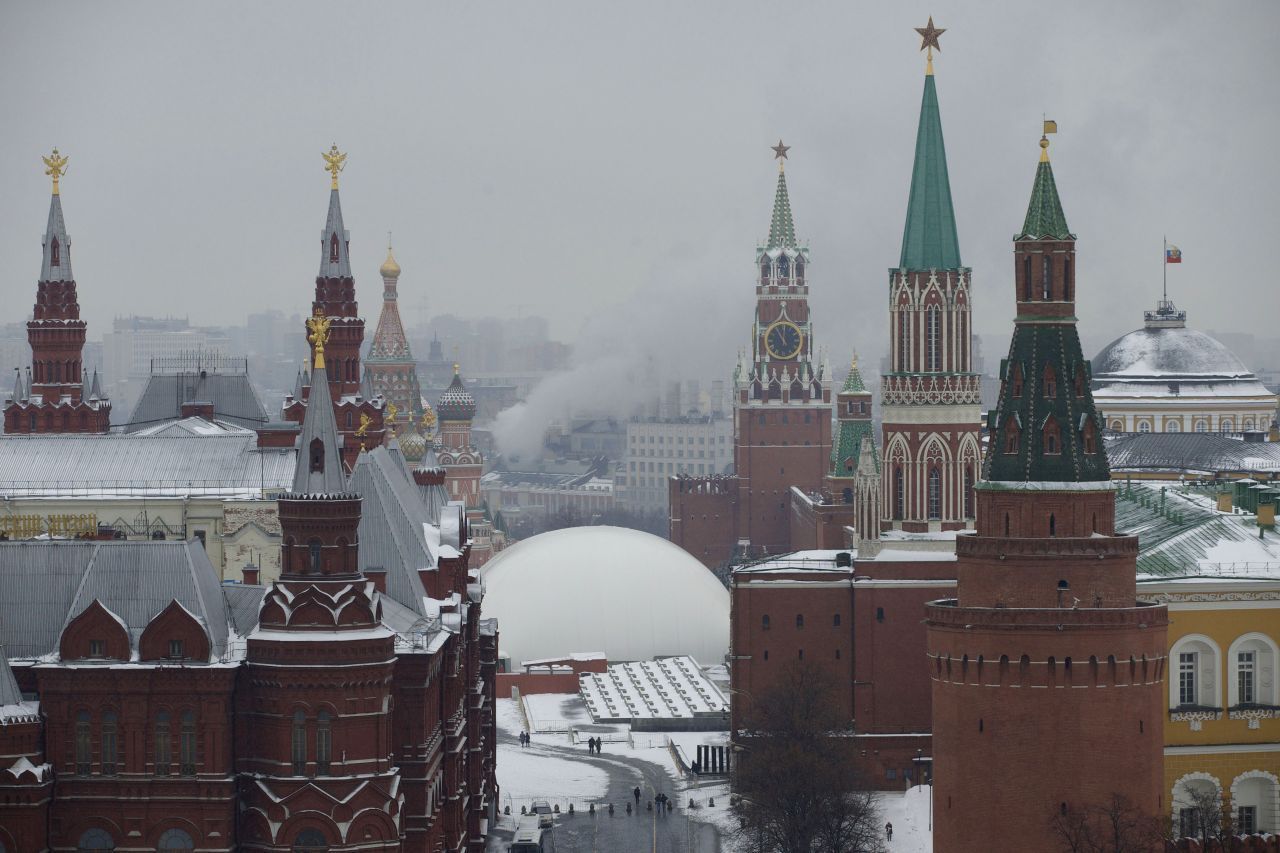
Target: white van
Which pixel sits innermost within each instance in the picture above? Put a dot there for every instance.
(531, 839)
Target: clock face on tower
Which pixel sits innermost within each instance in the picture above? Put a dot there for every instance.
(783, 340)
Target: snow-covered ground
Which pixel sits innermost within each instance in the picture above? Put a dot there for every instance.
(909, 813)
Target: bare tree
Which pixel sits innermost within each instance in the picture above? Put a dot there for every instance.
(1116, 826)
(800, 791)
(1204, 816)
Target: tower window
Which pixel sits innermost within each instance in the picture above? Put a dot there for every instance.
(55, 253)
(799, 620)
(109, 744)
(764, 271)
(333, 248)
(1026, 278)
(935, 494)
(84, 750)
(1052, 437)
(1053, 531)
(835, 620)
(187, 744)
(1010, 436)
(1090, 437)
(934, 337)
(1050, 381)
(162, 744)
(799, 271)
(904, 339)
(899, 499)
(317, 456)
(323, 743)
(1047, 278)
(1066, 279)
(1079, 389)
(784, 267)
(1017, 380)
(298, 746)
(314, 547)
(764, 622)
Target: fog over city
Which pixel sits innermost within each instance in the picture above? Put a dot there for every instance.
(607, 166)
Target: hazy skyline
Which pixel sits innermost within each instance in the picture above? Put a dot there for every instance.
(608, 165)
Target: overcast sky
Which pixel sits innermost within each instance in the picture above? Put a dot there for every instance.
(603, 163)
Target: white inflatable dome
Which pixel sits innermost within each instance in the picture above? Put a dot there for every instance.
(623, 592)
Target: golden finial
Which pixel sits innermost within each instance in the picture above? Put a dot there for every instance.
(56, 168)
(928, 41)
(334, 162)
(391, 413)
(1050, 126)
(363, 429)
(853, 362)
(318, 325)
(455, 368)
(428, 421)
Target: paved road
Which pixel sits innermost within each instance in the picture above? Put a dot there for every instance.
(642, 832)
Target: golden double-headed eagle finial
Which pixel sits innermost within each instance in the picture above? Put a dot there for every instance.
(392, 409)
(318, 326)
(365, 423)
(334, 162)
(55, 167)
(428, 421)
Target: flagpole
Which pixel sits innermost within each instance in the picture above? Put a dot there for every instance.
(1164, 256)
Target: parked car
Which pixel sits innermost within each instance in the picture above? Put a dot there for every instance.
(542, 809)
(532, 839)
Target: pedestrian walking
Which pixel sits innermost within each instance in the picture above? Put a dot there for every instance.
(888, 831)
(636, 793)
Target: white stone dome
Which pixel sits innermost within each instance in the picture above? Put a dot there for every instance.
(629, 594)
(1168, 353)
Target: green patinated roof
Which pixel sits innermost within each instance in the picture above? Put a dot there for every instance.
(1034, 346)
(1045, 219)
(848, 444)
(929, 240)
(853, 383)
(782, 231)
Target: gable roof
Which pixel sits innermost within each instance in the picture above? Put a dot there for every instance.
(231, 394)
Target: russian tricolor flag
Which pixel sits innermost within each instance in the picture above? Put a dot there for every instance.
(1172, 254)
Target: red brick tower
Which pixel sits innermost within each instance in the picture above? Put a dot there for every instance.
(930, 395)
(26, 780)
(55, 402)
(1047, 672)
(853, 423)
(782, 396)
(359, 418)
(315, 703)
(461, 460)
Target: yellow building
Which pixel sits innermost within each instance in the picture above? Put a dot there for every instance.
(1221, 583)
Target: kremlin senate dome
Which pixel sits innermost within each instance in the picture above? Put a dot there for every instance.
(629, 594)
(1165, 377)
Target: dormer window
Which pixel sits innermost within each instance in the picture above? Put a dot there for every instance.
(176, 650)
(1050, 381)
(97, 648)
(55, 253)
(1017, 380)
(333, 248)
(1079, 389)
(1090, 437)
(317, 456)
(1052, 437)
(1010, 436)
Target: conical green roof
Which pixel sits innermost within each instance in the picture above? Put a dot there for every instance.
(1045, 220)
(929, 240)
(853, 383)
(782, 232)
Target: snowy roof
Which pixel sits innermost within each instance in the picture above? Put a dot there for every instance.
(1166, 353)
(212, 460)
(231, 394)
(1191, 452)
(629, 594)
(672, 688)
(46, 584)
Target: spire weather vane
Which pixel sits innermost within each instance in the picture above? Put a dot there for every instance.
(334, 162)
(56, 167)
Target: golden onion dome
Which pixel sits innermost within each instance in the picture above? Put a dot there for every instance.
(389, 268)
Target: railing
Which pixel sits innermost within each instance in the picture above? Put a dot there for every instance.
(145, 488)
(1264, 569)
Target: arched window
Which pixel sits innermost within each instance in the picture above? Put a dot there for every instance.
(1052, 437)
(764, 622)
(784, 267)
(1050, 381)
(1247, 426)
(899, 498)
(174, 841)
(110, 743)
(1046, 278)
(1202, 426)
(163, 744)
(1144, 426)
(1079, 384)
(1053, 531)
(1172, 426)
(323, 743)
(1251, 679)
(317, 456)
(764, 271)
(904, 339)
(333, 247)
(847, 495)
(84, 744)
(1228, 425)
(1026, 278)
(1010, 436)
(95, 841)
(968, 490)
(1196, 657)
(314, 548)
(187, 744)
(935, 494)
(55, 253)
(835, 620)
(1090, 437)
(1066, 279)
(310, 841)
(1016, 380)
(799, 271)
(799, 620)
(933, 330)
(299, 742)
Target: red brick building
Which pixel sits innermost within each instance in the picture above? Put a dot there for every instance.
(53, 398)
(781, 409)
(1047, 671)
(348, 706)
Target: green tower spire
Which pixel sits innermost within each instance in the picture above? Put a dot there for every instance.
(1045, 219)
(782, 231)
(929, 240)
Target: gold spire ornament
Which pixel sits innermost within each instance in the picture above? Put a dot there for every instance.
(929, 41)
(334, 162)
(365, 422)
(428, 422)
(318, 326)
(55, 167)
(391, 413)
(1050, 126)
